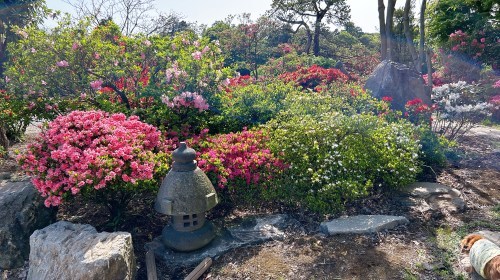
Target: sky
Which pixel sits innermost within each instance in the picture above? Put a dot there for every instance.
(363, 12)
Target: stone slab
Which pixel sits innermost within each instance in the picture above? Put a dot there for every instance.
(252, 231)
(426, 189)
(362, 224)
(425, 196)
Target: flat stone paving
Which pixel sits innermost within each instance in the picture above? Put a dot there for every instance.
(362, 224)
(425, 196)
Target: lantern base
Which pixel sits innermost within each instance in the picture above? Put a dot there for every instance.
(186, 241)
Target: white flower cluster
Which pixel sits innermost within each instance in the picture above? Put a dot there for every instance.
(458, 108)
(459, 98)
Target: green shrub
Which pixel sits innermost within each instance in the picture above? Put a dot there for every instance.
(433, 148)
(253, 104)
(347, 98)
(335, 158)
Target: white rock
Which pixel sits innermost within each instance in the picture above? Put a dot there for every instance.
(75, 251)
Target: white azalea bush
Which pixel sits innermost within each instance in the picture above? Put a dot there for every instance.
(459, 108)
(335, 158)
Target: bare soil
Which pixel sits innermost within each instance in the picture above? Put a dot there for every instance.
(425, 249)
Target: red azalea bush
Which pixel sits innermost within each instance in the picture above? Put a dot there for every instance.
(237, 82)
(89, 151)
(314, 77)
(418, 112)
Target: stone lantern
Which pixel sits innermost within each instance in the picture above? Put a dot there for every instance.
(186, 194)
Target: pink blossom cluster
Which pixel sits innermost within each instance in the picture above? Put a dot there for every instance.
(188, 100)
(62, 63)
(495, 100)
(90, 150)
(496, 84)
(461, 42)
(97, 84)
(234, 157)
(174, 72)
(239, 156)
(197, 54)
(437, 79)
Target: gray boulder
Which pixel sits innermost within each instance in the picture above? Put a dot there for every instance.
(21, 212)
(75, 251)
(398, 81)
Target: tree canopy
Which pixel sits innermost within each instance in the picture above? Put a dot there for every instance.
(310, 14)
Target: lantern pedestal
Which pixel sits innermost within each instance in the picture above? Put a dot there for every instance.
(251, 231)
(185, 241)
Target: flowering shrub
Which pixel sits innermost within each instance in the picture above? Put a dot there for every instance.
(458, 108)
(462, 42)
(91, 152)
(77, 66)
(437, 79)
(188, 100)
(346, 98)
(239, 164)
(418, 112)
(335, 159)
(495, 101)
(14, 117)
(239, 81)
(314, 77)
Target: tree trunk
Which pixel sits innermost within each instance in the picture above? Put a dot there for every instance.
(381, 20)
(317, 30)
(429, 70)
(309, 41)
(409, 37)
(4, 141)
(422, 36)
(388, 27)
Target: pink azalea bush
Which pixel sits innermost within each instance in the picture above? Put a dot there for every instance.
(239, 156)
(237, 163)
(89, 151)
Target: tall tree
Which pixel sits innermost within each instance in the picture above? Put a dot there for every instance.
(409, 36)
(421, 51)
(385, 28)
(168, 25)
(381, 21)
(388, 27)
(311, 13)
(131, 15)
